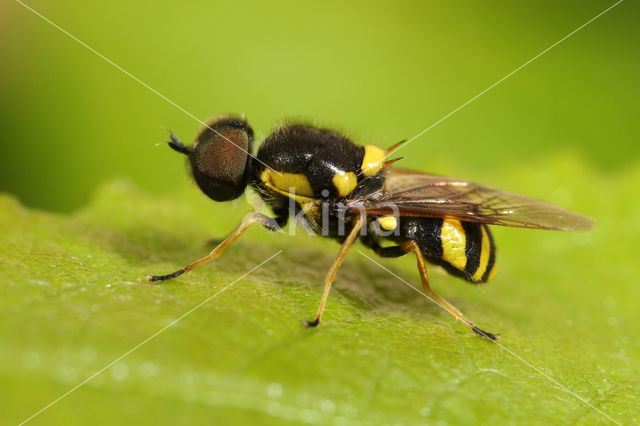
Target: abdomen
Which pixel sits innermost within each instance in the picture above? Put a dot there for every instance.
(463, 248)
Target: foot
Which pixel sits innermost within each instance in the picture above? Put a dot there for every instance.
(311, 324)
(490, 336)
(154, 278)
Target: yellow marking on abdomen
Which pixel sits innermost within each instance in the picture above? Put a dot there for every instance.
(373, 160)
(454, 241)
(485, 251)
(388, 223)
(345, 183)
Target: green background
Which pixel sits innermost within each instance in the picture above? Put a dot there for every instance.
(104, 206)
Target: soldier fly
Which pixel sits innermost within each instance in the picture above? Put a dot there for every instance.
(350, 192)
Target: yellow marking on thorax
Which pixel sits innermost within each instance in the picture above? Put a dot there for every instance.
(345, 183)
(454, 241)
(373, 160)
(388, 223)
(288, 181)
(284, 182)
(485, 251)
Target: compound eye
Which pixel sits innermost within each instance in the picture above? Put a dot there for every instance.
(219, 158)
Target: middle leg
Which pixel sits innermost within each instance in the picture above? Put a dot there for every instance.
(331, 275)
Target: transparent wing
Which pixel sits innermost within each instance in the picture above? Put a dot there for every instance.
(410, 193)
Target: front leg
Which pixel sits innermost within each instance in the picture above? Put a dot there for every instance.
(247, 221)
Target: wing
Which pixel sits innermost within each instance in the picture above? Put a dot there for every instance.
(410, 193)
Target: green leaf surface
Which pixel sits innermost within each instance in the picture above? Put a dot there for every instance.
(73, 299)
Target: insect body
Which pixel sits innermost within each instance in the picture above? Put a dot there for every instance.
(347, 192)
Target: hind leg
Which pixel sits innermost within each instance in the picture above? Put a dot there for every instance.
(412, 246)
(426, 288)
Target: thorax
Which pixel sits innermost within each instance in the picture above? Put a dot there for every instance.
(312, 170)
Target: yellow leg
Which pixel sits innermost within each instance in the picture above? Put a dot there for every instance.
(248, 220)
(426, 288)
(331, 275)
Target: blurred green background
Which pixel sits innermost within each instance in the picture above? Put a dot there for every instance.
(382, 71)
(104, 206)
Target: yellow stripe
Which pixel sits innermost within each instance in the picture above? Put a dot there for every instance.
(454, 241)
(484, 256)
(345, 183)
(373, 160)
(291, 182)
(303, 192)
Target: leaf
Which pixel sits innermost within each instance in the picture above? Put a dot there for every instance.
(73, 300)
